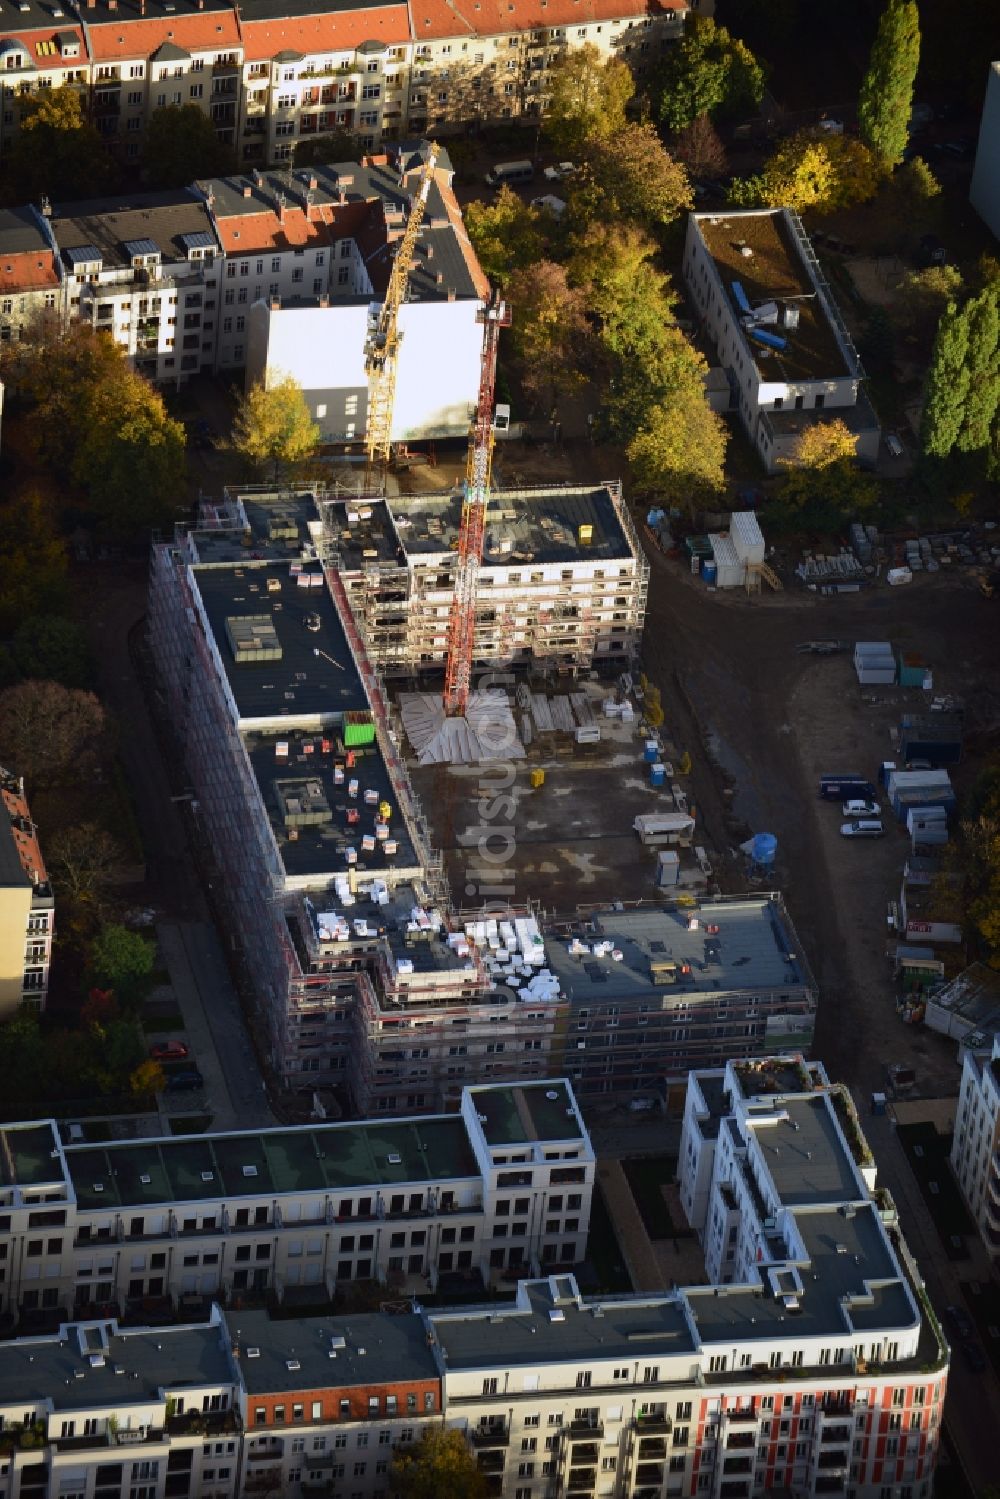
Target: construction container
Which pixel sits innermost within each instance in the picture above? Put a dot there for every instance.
(745, 533)
(731, 570)
(537, 779)
(878, 1103)
(911, 668)
(658, 774)
(359, 729)
(668, 867)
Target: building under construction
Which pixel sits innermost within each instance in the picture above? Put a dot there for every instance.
(562, 585)
(260, 619)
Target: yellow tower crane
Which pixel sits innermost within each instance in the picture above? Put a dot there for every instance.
(382, 346)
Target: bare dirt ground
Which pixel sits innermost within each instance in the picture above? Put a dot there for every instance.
(773, 720)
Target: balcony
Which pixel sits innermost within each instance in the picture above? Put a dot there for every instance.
(738, 1440)
(652, 1449)
(828, 1462)
(586, 1431)
(839, 1433)
(746, 1414)
(490, 1436)
(275, 1454)
(734, 1465)
(581, 1480)
(650, 1426)
(586, 1452)
(263, 1481)
(649, 1473)
(492, 1461)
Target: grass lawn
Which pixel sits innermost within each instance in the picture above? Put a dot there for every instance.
(927, 1152)
(646, 1175)
(603, 1252)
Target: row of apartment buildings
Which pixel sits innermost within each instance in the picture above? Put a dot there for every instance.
(182, 279)
(808, 1363)
(270, 73)
(27, 905)
(271, 623)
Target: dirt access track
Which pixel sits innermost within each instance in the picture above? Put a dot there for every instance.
(769, 721)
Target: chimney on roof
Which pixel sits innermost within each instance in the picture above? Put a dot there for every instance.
(439, 278)
(142, 7)
(112, 4)
(451, 294)
(247, 190)
(313, 183)
(324, 301)
(275, 304)
(201, 4)
(280, 204)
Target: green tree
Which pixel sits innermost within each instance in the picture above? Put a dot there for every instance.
(56, 152)
(550, 332)
(587, 98)
(813, 169)
(123, 961)
(887, 88)
(909, 206)
(822, 484)
(46, 646)
(99, 426)
(707, 70)
(124, 1049)
(180, 145)
(630, 176)
(922, 297)
(678, 453)
(506, 235)
(82, 860)
(33, 563)
(48, 731)
(273, 425)
(946, 387)
(983, 364)
(322, 150)
(699, 148)
(439, 1466)
(146, 1079)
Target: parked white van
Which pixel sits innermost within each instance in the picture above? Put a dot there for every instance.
(510, 173)
(862, 827)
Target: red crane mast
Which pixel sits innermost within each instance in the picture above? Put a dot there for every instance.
(472, 529)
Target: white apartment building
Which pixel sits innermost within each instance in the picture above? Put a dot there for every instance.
(27, 905)
(975, 1152)
(767, 311)
(809, 1363)
(144, 268)
(99, 1411)
(146, 1226)
(984, 192)
(29, 276)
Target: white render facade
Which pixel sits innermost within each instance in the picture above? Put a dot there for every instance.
(157, 1224)
(974, 1155)
(776, 391)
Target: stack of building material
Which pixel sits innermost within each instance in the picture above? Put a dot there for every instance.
(862, 546)
(838, 567)
(935, 737)
(874, 662)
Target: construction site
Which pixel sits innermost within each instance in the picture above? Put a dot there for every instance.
(332, 664)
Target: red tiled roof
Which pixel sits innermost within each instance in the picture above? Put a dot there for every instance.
(27, 270)
(250, 233)
(114, 36)
(48, 61)
(338, 32)
(442, 18)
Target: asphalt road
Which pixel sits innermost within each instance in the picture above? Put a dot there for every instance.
(191, 947)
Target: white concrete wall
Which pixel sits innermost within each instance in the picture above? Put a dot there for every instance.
(323, 349)
(984, 193)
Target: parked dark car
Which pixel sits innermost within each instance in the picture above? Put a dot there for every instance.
(186, 1081)
(960, 1320)
(974, 1357)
